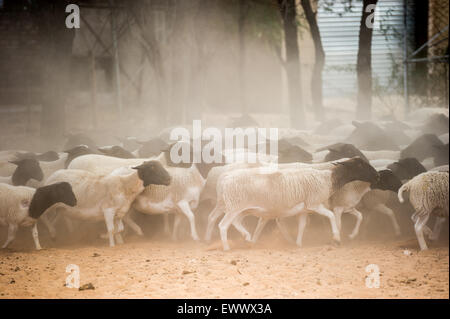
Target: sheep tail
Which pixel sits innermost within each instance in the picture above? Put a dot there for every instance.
(404, 187)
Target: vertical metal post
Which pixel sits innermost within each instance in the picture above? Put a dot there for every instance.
(405, 56)
(116, 58)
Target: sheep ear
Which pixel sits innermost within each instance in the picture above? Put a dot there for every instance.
(16, 162)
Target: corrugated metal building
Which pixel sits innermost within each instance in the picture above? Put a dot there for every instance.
(340, 30)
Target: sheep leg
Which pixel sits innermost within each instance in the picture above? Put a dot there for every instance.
(12, 229)
(302, 219)
(259, 228)
(284, 231)
(418, 227)
(49, 225)
(327, 213)
(387, 211)
(108, 214)
(69, 224)
(34, 233)
(176, 224)
(437, 228)
(186, 210)
(131, 223)
(338, 213)
(225, 224)
(359, 219)
(237, 223)
(118, 228)
(216, 213)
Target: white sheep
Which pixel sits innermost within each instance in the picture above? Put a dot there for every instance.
(428, 194)
(347, 198)
(209, 193)
(103, 164)
(270, 194)
(22, 206)
(181, 197)
(109, 197)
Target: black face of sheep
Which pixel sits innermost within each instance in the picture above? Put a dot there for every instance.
(116, 151)
(47, 196)
(387, 181)
(49, 156)
(152, 172)
(151, 147)
(440, 154)
(436, 124)
(422, 147)
(129, 143)
(370, 137)
(77, 151)
(342, 150)
(294, 154)
(407, 168)
(73, 140)
(354, 169)
(26, 169)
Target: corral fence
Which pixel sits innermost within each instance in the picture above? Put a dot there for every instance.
(425, 72)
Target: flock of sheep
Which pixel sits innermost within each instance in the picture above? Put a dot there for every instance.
(335, 168)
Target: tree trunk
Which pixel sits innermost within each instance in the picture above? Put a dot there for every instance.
(364, 65)
(57, 43)
(289, 15)
(319, 61)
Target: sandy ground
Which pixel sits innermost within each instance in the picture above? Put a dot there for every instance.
(158, 268)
